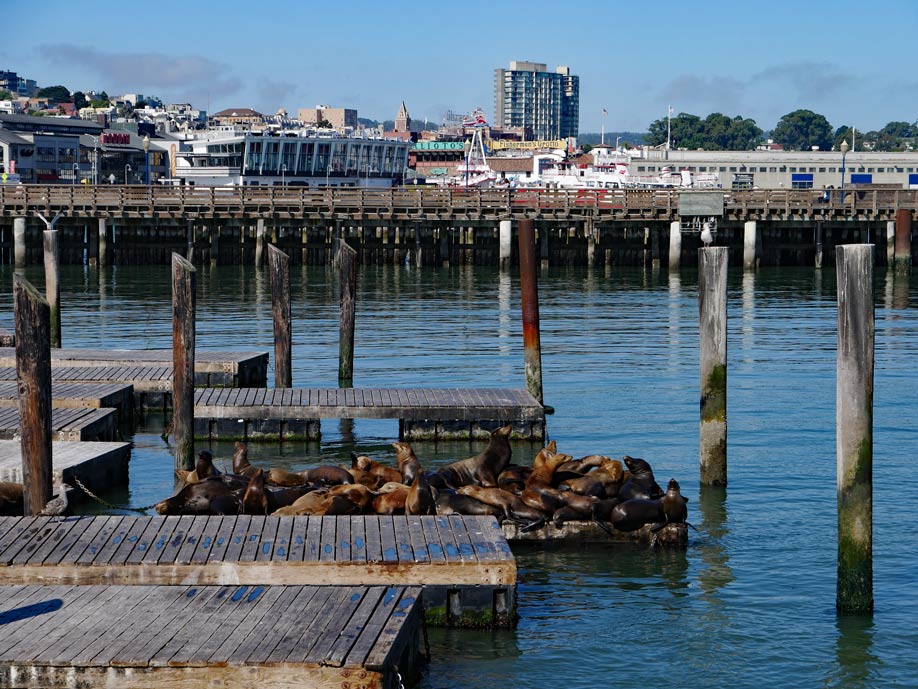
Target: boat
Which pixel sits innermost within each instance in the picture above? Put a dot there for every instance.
(476, 173)
(551, 170)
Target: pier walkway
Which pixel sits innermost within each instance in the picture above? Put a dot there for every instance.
(278, 413)
(227, 369)
(100, 466)
(67, 424)
(195, 636)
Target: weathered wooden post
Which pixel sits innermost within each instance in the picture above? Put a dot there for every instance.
(19, 242)
(712, 313)
(506, 236)
(259, 242)
(854, 428)
(820, 240)
(903, 238)
(33, 377)
(103, 242)
(52, 288)
(183, 324)
(189, 256)
(529, 296)
(675, 244)
(347, 260)
(279, 275)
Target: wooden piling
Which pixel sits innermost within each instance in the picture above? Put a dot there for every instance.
(32, 317)
(52, 288)
(820, 240)
(279, 275)
(19, 242)
(712, 312)
(347, 261)
(189, 256)
(103, 242)
(750, 240)
(529, 295)
(259, 242)
(675, 244)
(183, 326)
(903, 238)
(854, 428)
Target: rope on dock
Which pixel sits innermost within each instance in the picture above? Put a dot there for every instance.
(106, 503)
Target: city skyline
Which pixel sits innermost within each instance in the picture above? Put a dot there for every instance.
(756, 62)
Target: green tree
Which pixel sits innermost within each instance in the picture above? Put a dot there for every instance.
(586, 148)
(5, 95)
(55, 94)
(801, 130)
(716, 132)
(899, 130)
(79, 100)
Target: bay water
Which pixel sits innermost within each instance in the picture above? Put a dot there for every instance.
(750, 603)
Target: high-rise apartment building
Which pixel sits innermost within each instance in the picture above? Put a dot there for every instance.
(546, 103)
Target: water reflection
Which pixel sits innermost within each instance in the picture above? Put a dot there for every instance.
(504, 343)
(674, 341)
(854, 651)
(900, 291)
(748, 318)
(712, 502)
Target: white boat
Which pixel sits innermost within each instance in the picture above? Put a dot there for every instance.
(553, 172)
(476, 173)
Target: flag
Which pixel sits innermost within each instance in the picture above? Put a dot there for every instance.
(605, 112)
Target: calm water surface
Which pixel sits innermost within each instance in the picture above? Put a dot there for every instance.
(751, 602)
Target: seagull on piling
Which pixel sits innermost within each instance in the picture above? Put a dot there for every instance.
(706, 237)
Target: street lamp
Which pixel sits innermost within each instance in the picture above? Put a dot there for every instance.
(844, 151)
(468, 151)
(146, 154)
(127, 169)
(283, 173)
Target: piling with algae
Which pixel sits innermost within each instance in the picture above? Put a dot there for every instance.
(712, 316)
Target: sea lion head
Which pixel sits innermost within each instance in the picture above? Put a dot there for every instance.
(614, 468)
(240, 458)
(205, 464)
(503, 431)
(362, 463)
(255, 500)
(673, 486)
(638, 467)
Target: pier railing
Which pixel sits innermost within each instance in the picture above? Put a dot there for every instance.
(424, 203)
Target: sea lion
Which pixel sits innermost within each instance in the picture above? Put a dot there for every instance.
(420, 500)
(282, 477)
(513, 478)
(305, 504)
(383, 473)
(674, 505)
(336, 505)
(631, 515)
(359, 494)
(602, 509)
(364, 478)
(392, 502)
(11, 501)
(491, 496)
(241, 464)
(483, 468)
(565, 514)
(539, 493)
(584, 464)
(539, 460)
(452, 503)
(196, 498)
(641, 484)
(585, 485)
(327, 475)
(407, 462)
(203, 467)
(260, 498)
(583, 504)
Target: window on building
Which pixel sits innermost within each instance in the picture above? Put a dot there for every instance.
(762, 169)
(832, 169)
(722, 169)
(733, 169)
(772, 169)
(783, 168)
(881, 169)
(793, 169)
(822, 169)
(802, 184)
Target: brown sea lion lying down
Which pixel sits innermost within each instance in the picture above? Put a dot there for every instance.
(11, 504)
(482, 469)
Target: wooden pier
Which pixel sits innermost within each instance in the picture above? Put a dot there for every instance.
(464, 563)
(69, 425)
(66, 395)
(152, 385)
(213, 369)
(428, 413)
(161, 637)
(100, 466)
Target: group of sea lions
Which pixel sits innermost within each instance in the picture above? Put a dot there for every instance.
(556, 488)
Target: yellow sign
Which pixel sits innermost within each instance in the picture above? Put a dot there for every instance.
(493, 145)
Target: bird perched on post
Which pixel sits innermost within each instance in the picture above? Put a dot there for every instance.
(706, 237)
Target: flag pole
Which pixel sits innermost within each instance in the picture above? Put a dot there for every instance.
(603, 130)
(669, 117)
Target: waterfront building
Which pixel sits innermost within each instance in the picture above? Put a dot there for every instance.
(546, 103)
(338, 118)
(233, 117)
(306, 157)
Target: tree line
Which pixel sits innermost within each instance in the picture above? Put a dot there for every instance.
(800, 130)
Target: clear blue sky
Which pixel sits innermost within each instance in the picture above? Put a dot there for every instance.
(852, 61)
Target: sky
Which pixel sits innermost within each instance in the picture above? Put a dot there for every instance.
(850, 61)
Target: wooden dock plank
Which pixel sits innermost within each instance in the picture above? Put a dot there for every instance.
(93, 463)
(387, 539)
(374, 544)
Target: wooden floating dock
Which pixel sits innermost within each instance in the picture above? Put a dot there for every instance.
(590, 533)
(215, 369)
(464, 563)
(152, 384)
(68, 425)
(65, 395)
(423, 413)
(161, 637)
(100, 466)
